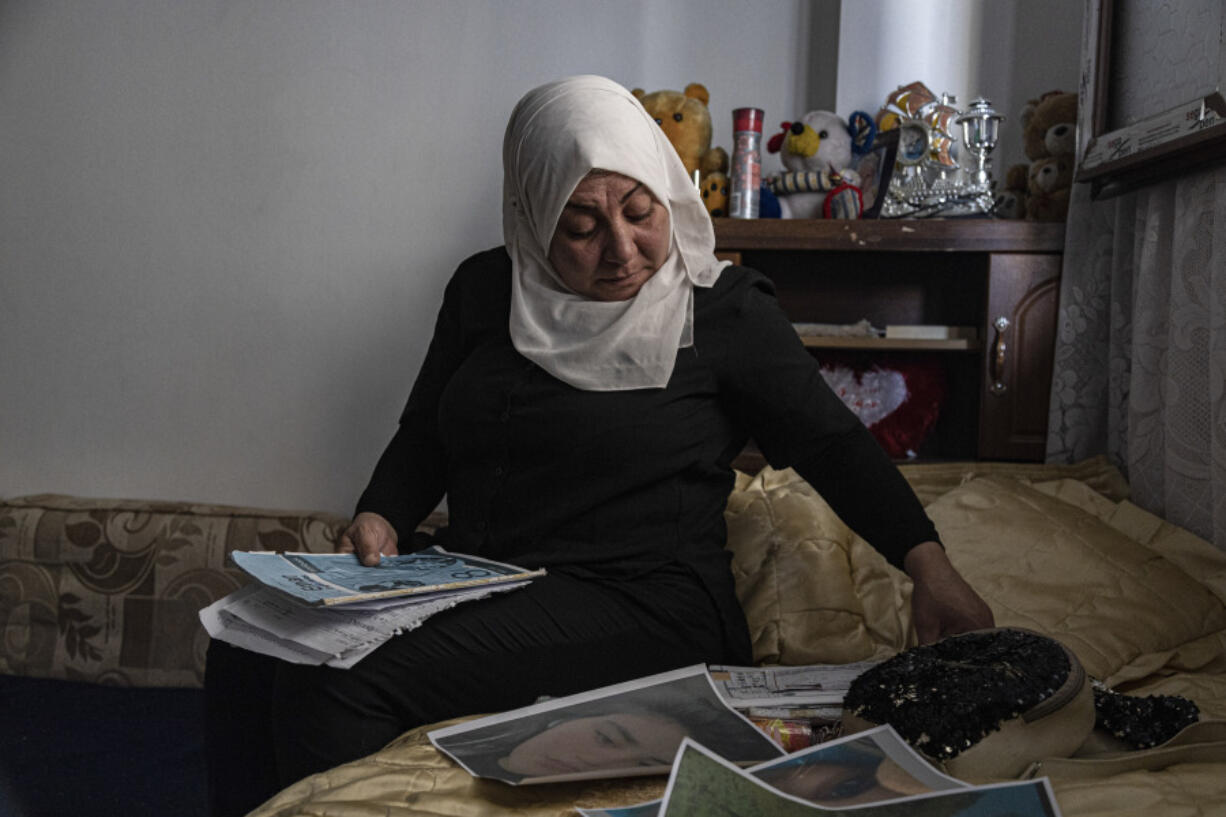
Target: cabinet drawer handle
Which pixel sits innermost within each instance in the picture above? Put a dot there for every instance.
(998, 356)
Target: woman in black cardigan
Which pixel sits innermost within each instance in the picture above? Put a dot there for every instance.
(583, 396)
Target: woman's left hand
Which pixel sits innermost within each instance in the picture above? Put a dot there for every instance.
(942, 602)
(370, 537)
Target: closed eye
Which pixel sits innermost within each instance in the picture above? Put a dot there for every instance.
(851, 787)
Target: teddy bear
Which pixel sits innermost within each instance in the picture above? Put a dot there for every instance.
(686, 121)
(1049, 134)
(714, 191)
(1050, 181)
(1010, 201)
(817, 154)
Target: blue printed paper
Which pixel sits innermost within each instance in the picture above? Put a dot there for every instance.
(339, 578)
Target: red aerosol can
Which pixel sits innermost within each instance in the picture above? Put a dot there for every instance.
(746, 162)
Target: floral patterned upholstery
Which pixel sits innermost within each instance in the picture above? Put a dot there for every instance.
(108, 591)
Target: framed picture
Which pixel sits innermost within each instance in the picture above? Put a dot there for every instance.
(876, 168)
(1149, 108)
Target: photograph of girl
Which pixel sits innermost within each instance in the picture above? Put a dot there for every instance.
(874, 766)
(629, 729)
(851, 772)
(705, 785)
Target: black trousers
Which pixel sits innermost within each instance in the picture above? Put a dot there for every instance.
(271, 723)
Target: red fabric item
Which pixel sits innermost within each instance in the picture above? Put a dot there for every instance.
(828, 204)
(775, 143)
(899, 418)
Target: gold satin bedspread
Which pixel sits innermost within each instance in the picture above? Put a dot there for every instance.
(1057, 549)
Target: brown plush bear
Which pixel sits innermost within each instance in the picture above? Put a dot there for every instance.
(714, 190)
(686, 121)
(1049, 133)
(1011, 200)
(1049, 125)
(1050, 182)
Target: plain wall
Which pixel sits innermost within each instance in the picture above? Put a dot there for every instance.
(225, 227)
(1007, 51)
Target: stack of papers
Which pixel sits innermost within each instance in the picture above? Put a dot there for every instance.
(681, 724)
(310, 608)
(797, 706)
(813, 685)
(931, 331)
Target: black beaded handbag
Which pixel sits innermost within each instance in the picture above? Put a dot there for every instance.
(998, 703)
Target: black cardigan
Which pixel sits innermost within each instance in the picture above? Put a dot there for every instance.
(615, 485)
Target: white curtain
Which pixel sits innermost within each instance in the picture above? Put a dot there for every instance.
(1140, 367)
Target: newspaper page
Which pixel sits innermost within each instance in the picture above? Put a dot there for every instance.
(266, 621)
(238, 633)
(874, 766)
(339, 578)
(702, 782)
(627, 729)
(777, 686)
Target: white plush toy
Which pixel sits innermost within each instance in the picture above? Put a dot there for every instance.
(819, 155)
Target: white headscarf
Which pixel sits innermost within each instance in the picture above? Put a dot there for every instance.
(556, 135)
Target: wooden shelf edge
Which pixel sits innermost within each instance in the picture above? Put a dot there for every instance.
(885, 344)
(889, 235)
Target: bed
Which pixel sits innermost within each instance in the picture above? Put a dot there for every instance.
(1056, 549)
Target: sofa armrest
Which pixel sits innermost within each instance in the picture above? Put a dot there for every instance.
(108, 591)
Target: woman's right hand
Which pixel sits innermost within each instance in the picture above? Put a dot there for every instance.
(370, 536)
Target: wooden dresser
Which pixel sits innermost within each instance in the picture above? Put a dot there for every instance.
(999, 277)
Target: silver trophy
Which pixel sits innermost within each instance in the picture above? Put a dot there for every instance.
(929, 179)
(980, 130)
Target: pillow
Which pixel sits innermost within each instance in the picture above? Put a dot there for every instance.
(1196, 556)
(931, 480)
(1044, 564)
(813, 592)
(108, 591)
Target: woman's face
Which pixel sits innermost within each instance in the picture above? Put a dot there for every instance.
(833, 784)
(611, 238)
(614, 741)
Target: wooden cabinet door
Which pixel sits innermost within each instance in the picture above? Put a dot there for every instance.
(1023, 290)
